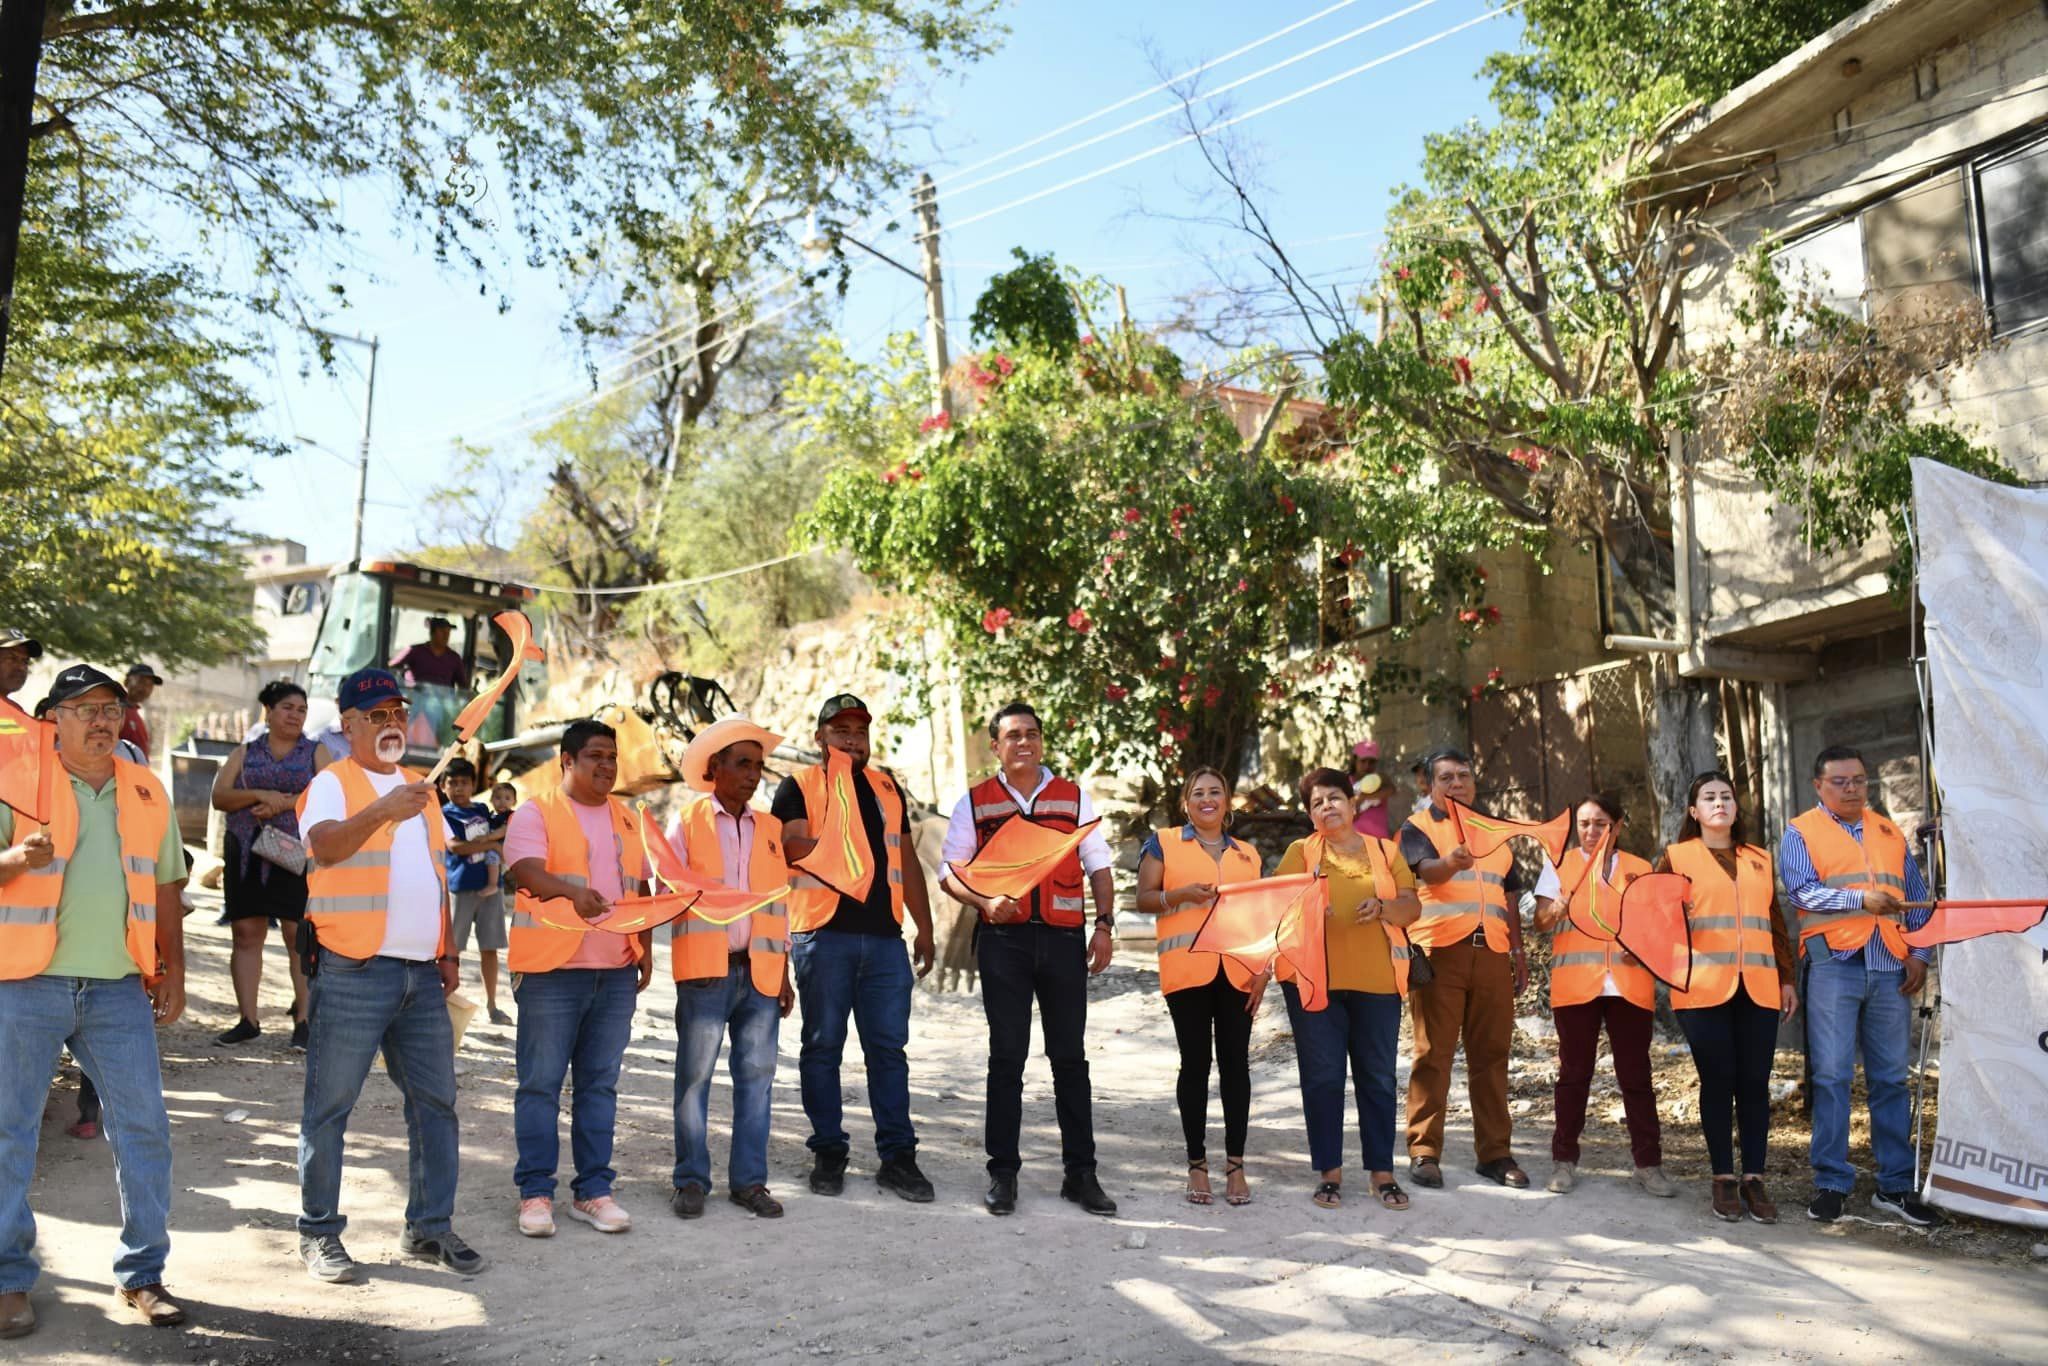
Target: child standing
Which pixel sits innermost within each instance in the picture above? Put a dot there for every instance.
(472, 841)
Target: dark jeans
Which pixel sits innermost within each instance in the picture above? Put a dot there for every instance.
(865, 977)
(1732, 1046)
(358, 1007)
(1578, 1047)
(1020, 963)
(1362, 1029)
(1216, 1008)
(580, 1018)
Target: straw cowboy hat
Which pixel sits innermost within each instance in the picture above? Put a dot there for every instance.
(727, 730)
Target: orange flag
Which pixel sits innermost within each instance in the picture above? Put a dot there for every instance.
(515, 625)
(628, 915)
(1654, 928)
(1482, 834)
(1277, 924)
(1597, 916)
(842, 860)
(28, 759)
(709, 901)
(1954, 921)
(1020, 855)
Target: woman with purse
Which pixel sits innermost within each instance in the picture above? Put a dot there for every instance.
(263, 876)
(1371, 902)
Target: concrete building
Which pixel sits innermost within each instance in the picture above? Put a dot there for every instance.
(1897, 162)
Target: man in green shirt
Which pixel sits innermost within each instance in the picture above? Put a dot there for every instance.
(92, 957)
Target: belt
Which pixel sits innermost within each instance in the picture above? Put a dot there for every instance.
(1479, 938)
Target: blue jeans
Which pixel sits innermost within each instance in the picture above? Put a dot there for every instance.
(110, 1028)
(579, 1018)
(705, 1010)
(1358, 1028)
(358, 1007)
(866, 977)
(1848, 1005)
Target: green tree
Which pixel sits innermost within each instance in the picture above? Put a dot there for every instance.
(1098, 535)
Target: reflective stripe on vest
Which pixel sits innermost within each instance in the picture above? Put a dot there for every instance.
(1581, 963)
(346, 901)
(1379, 856)
(1467, 902)
(28, 904)
(1877, 863)
(1184, 862)
(1058, 900)
(700, 949)
(539, 947)
(812, 904)
(1730, 921)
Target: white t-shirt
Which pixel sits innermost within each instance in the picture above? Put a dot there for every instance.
(1550, 887)
(412, 919)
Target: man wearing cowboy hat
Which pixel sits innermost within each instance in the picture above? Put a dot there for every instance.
(729, 978)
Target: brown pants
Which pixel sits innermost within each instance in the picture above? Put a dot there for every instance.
(1473, 995)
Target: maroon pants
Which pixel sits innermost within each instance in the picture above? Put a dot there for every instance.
(1578, 1045)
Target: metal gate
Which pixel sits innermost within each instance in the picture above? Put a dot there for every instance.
(1540, 747)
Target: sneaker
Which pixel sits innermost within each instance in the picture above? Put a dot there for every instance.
(603, 1214)
(300, 1032)
(499, 1017)
(243, 1031)
(326, 1259)
(687, 1202)
(900, 1174)
(828, 1172)
(85, 1128)
(1563, 1176)
(1655, 1182)
(1906, 1207)
(445, 1248)
(537, 1216)
(1826, 1206)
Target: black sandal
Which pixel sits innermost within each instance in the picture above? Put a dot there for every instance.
(1198, 1197)
(1391, 1195)
(1234, 1167)
(1329, 1195)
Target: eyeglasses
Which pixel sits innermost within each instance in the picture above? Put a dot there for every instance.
(386, 716)
(96, 711)
(1856, 784)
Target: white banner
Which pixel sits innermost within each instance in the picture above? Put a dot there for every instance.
(1984, 581)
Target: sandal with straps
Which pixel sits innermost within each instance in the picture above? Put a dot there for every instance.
(1329, 1195)
(1199, 1196)
(1235, 1167)
(1391, 1195)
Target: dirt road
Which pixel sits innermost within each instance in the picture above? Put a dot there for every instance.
(1473, 1272)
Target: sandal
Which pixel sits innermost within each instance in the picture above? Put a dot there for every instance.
(1391, 1195)
(1199, 1195)
(1235, 1167)
(1329, 1195)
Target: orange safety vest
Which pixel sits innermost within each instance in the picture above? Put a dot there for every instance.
(1058, 900)
(537, 947)
(1876, 864)
(1379, 855)
(812, 904)
(1580, 963)
(1453, 910)
(1186, 861)
(1731, 926)
(28, 904)
(346, 902)
(699, 947)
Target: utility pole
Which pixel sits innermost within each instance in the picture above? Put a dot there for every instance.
(927, 200)
(21, 52)
(355, 557)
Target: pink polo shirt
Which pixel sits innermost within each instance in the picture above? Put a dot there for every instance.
(736, 853)
(526, 836)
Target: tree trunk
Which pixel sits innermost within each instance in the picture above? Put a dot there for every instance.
(21, 51)
(1684, 714)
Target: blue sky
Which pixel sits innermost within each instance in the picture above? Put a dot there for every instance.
(451, 363)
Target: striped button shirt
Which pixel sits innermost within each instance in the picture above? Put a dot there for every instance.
(1804, 886)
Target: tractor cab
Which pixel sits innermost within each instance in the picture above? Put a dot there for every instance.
(379, 612)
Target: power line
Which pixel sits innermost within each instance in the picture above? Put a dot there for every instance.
(673, 583)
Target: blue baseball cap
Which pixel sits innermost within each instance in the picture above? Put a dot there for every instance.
(366, 687)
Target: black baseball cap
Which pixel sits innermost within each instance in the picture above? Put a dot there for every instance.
(432, 622)
(843, 704)
(79, 680)
(144, 671)
(14, 635)
(366, 687)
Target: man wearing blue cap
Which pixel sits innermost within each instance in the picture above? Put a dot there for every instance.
(377, 899)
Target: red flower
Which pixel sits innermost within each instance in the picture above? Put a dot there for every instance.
(1287, 505)
(1479, 304)
(1493, 675)
(1088, 339)
(1469, 615)
(996, 618)
(1211, 695)
(1403, 273)
(1180, 633)
(1119, 535)
(1167, 664)
(1078, 619)
(1399, 469)
(894, 472)
(1275, 691)
(1178, 516)
(1116, 692)
(1456, 274)
(1109, 560)
(1243, 584)
(1492, 616)
(1477, 690)
(937, 422)
(1133, 516)
(1187, 684)
(1463, 366)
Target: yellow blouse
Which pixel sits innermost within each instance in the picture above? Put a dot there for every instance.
(1360, 956)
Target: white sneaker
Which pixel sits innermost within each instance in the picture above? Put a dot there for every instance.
(537, 1217)
(1563, 1176)
(603, 1214)
(1655, 1182)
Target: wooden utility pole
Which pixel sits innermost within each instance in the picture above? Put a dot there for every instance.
(927, 201)
(21, 52)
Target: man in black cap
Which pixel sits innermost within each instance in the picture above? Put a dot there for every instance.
(18, 649)
(92, 957)
(140, 683)
(433, 662)
(847, 955)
